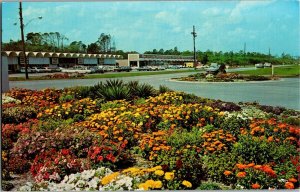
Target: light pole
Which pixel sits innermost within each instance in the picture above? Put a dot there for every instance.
(194, 36)
(22, 37)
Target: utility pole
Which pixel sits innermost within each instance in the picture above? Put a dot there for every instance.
(245, 48)
(194, 36)
(23, 42)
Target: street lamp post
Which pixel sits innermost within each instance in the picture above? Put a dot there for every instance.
(194, 36)
(22, 37)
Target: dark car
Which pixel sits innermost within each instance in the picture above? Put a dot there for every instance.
(120, 69)
(144, 68)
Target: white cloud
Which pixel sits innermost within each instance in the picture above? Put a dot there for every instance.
(61, 9)
(215, 11)
(173, 19)
(237, 12)
(34, 12)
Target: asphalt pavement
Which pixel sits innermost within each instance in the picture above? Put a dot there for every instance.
(284, 92)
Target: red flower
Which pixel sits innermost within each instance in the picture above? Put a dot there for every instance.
(46, 176)
(65, 152)
(123, 145)
(255, 186)
(100, 158)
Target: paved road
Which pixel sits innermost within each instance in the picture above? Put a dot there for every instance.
(284, 92)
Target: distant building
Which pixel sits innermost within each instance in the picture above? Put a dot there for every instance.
(122, 62)
(140, 60)
(15, 59)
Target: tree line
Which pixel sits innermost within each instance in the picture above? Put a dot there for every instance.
(231, 58)
(56, 42)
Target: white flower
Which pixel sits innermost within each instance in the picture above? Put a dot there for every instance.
(25, 188)
(282, 180)
(94, 183)
(86, 175)
(80, 183)
(240, 186)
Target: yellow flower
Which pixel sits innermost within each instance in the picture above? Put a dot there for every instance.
(143, 186)
(132, 170)
(157, 167)
(157, 185)
(186, 183)
(169, 176)
(159, 172)
(107, 179)
(150, 183)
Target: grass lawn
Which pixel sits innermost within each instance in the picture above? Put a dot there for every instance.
(108, 75)
(284, 71)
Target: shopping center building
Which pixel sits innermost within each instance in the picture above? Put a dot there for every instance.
(140, 60)
(15, 59)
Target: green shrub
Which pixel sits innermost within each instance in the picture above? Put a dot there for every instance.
(216, 165)
(18, 115)
(209, 186)
(260, 151)
(140, 90)
(66, 98)
(186, 161)
(144, 90)
(163, 89)
(191, 98)
(233, 124)
(181, 138)
(111, 90)
(78, 118)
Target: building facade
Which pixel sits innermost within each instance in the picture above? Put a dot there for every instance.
(141, 60)
(14, 60)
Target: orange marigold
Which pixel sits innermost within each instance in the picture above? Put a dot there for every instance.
(293, 180)
(241, 174)
(255, 186)
(257, 167)
(289, 185)
(241, 166)
(227, 173)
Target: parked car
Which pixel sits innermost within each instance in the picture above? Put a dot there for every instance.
(213, 68)
(108, 68)
(267, 65)
(259, 65)
(98, 69)
(161, 68)
(154, 68)
(77, 69)
(23, 70)
(201, 67)
(144, 68)
(47, 70)
(55, 69)
(173, 67)
(37, 70)
(123, 68)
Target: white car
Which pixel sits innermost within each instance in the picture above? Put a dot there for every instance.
(267, 65)
(77, 69)
(23, 70)
(259, 65)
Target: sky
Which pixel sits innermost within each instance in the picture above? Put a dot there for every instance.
(142, 26)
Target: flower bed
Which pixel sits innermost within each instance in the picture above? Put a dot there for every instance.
(223, 77)
(68, 141)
